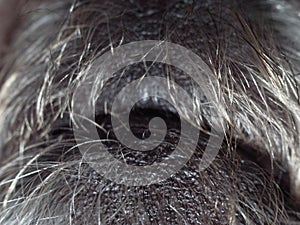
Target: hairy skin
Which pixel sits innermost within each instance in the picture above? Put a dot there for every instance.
(254, 51)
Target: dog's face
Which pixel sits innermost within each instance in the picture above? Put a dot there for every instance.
(220, 75)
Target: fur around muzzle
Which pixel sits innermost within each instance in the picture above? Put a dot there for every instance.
(253, 51)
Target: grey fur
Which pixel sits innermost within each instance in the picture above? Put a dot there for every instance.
(253, 49)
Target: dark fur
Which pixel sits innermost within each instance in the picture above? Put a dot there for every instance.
(253, 48)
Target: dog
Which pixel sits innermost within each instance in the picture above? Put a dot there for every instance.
(252, 49)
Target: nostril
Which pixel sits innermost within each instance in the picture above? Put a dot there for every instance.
(274, 167)
(140, 118)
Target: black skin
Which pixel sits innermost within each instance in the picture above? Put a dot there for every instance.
(241, 168)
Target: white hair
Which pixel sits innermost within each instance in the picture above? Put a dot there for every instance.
(253, 48)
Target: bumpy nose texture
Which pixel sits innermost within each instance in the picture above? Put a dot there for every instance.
(47, 182)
